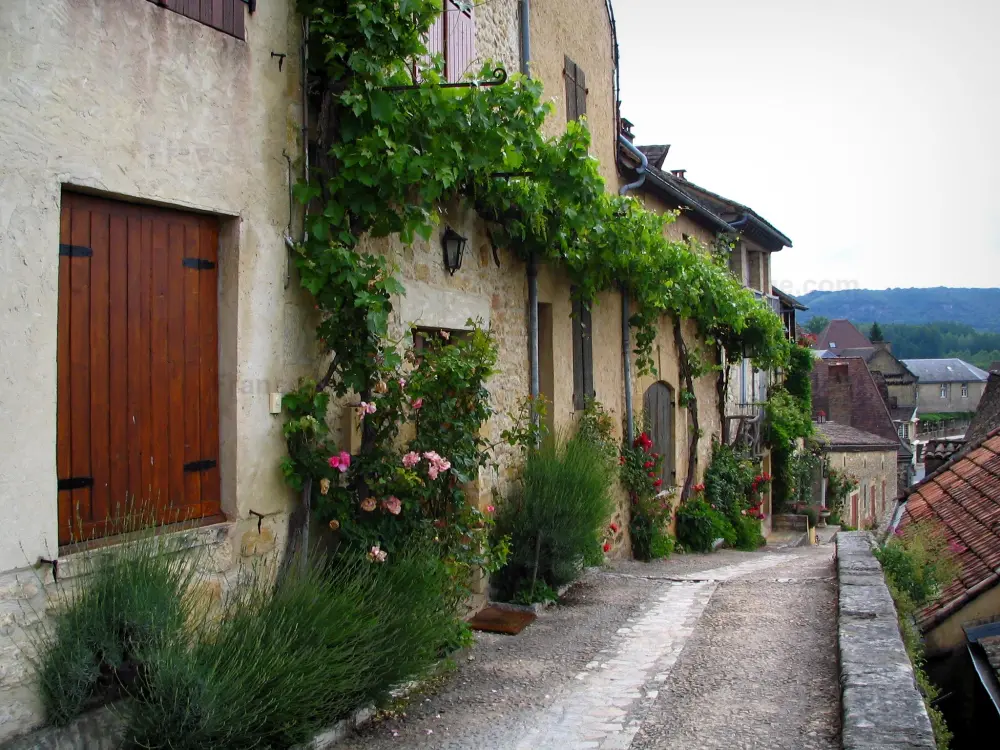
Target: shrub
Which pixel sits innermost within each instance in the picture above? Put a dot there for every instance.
(648, 528)
(662, 545)
(918, 562)
(728, 479)
(699, 525)
(129, 603)
(748, 535)
(557, 513)
(287, 659)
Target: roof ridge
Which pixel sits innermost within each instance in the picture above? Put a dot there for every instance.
(946, 466)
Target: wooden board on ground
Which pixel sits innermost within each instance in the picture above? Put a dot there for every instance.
(501, 620)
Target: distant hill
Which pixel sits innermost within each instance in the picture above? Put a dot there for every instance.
(979, 308)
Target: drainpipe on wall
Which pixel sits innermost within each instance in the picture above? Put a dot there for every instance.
(307, 485)
(532, 266)
(626, 314)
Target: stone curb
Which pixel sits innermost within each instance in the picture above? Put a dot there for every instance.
(882, 707)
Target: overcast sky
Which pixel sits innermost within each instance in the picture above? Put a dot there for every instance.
(868, 131)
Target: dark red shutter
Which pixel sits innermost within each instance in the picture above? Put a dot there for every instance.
(453, 36)
(225, 15)
(137, 366)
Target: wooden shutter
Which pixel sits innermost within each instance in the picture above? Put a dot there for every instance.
(658, 413)
(137, 365)
(453, 36)
(576, 90)
(583, 355)
(224, 15)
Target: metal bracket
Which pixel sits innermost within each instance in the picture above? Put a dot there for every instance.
(281, 58)
(251, 5)
(75, 483)
(261, 517)
(202, 465)
(198, 264)
(499, 78)
(75, 251)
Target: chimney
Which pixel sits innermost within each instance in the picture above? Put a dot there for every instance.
(839, 395)
(679, 173)
(627, 126)
(883, 346)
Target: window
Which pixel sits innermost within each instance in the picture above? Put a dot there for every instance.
(576, 90)
(453, 36)
(136, 363)
(224, 15)
(944, 390)
(583, 355)
(833, 344)
(965, 390)
(903, 429)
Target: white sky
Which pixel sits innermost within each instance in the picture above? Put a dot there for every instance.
(868, 132)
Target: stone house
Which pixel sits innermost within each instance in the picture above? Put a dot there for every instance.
(947, 386)
(840, 333)
(788, 306)
(152, 314)
(939, 451)
(871, 459)
(845, 392)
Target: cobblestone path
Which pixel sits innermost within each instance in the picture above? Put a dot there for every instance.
(731, 650)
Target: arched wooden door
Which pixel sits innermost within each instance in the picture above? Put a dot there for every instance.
(658, 406)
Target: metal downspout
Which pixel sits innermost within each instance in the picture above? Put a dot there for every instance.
(626, 313)
(307, 485)
(532, 266)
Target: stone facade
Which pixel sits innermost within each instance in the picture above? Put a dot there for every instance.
(876, 471)
(957, 397)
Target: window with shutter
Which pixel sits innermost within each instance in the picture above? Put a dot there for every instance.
(453, 36)
(137, 365)
(583, 356)
(224, 15)
(576, 90)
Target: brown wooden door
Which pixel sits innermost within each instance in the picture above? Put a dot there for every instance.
(658, 408)
(137, 365)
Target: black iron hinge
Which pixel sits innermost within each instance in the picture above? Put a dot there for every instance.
(198, 264)
(251, 5)
(75, 251)
(203, 465)
(75, 483)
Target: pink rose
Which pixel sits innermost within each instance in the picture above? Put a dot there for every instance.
(490, 509)
(393, 505)
(411, 459)
(369, 504)
(417, 403)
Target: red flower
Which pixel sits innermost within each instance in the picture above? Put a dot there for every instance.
(652, 475)
(648, 465)
(614, 527)
(607, 547)
(658, 482)
(621, 460)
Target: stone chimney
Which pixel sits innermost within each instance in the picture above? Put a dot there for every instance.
(627, 126)
(679, 173)
(839, 393)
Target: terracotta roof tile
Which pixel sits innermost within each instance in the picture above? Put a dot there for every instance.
(963, 497)
(841, 334)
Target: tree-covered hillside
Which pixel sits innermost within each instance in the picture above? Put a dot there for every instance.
(979, 308)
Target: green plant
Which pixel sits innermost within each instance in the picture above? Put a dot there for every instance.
(661, 545)
(699, 525)
(556, 513)
(919, 563)
(130, 602)
(537, 591)
(839, 485)
(812, 514)
(289, 657)
(648, 527)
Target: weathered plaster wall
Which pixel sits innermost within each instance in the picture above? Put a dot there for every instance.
(580, 29)
(871, 468)
(929, 397)
(131, 101)
(949, 634)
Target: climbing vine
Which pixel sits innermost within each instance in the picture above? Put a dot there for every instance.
(392, 146)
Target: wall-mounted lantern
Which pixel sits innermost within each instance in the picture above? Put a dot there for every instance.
(453, 245)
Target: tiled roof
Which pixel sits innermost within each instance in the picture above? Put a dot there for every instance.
(656, 154)
(987, 416)
(963, 498)
(943, 448)
(995, 366)
(838, 435)
(865, 352)
(787, 299)
(868, 411)
(841, 334)
(741, 217)
(944, 370)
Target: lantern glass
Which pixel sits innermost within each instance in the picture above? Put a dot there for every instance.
(453, 245)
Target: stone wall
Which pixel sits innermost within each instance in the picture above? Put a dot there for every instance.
(882, 708)
(29, 596)
(873, 469)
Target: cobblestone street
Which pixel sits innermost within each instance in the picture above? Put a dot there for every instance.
(732, 650)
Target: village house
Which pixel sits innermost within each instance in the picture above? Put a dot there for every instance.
(961, 501)
(844, 392)
(947, 386)
(153, 313)
(840, 334)
(868, 458)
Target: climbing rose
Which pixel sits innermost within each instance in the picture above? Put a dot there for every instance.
(658, 482)
(621, 460)
(417, 403)
(365, 408)
(607, 547)
(648, 465)
(392, 504)
(381, 387)
(445, 335)
(402, 382)
(490, 509)
(369, 504)
(341, 462)
(334, 524)
(614, 527)
(411, 459)
(324, 486)
(375, 554)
